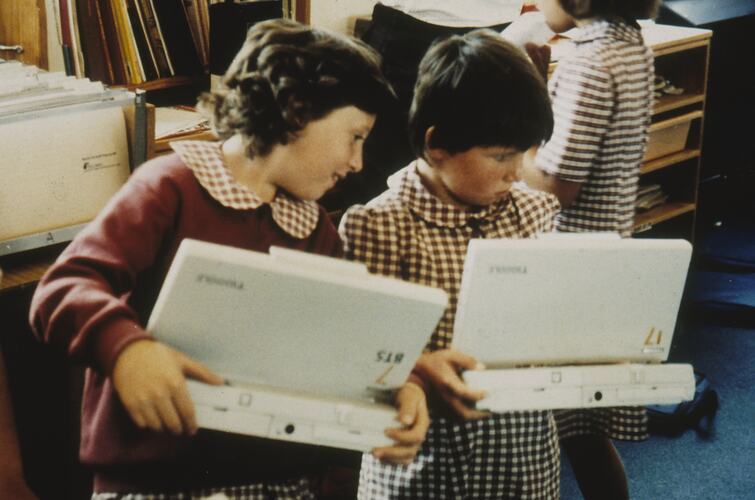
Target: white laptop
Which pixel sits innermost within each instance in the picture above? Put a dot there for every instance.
(312, 347)
(573, 321)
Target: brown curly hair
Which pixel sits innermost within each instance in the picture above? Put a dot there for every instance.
(622, 9)
(288, 74)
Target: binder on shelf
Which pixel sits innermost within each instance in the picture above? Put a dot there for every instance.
(196, 15)
(132, 42)
(141, 42)
(155, 38)
(126, 43)
(112, 41)
(176, 33)
(96, 56)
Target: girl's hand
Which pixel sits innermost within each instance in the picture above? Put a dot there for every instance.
(412, 413)
(150, 379)
(441, 368)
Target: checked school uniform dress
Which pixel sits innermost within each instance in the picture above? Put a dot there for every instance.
(602, 95)
(95, 299)
(409, 234)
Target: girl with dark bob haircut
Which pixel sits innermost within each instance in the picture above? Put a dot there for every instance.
(288, 74)
(292, 114)
(476, 91)
(479, 105)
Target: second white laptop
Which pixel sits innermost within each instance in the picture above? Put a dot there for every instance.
(567, 301)
(309, 344)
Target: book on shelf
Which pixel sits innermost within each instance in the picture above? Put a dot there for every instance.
(112, 42)
(143, 49)
(97, 59)
(77, 53)
(65, 36)
(134, 70)
(197, 15)
(131, 42)
(650, 196)
(177, 36)
(154, 36)
(54, 42)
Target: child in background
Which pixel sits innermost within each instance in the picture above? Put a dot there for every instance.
(292, 111)
(602, 95)
(478, 106)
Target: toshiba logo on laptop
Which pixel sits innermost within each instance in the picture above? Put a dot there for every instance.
(496, 269)
(220, 281)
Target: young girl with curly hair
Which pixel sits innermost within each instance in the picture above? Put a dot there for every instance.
(292, 113)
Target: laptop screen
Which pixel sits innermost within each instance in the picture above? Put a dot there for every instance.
(565, 299)
(294, 321)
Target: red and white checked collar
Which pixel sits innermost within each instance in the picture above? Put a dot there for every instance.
(407, 183)
(296, 217)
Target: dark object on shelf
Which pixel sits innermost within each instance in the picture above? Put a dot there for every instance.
(229, 23)
(727, 164)
(177, 34)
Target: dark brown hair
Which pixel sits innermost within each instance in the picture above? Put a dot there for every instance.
(478, 90)
(288, 74)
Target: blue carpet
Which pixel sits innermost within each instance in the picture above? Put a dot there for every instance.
(722, 297)
(729, 246)
(716, 334)
(689, 467)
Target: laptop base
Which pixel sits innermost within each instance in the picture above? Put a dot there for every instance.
(584, 386)
(289, 416)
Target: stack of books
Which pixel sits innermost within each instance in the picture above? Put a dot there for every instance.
(649, 196)
(130, 42)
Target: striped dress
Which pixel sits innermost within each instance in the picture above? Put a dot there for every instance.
(408, 233)
(602, 96)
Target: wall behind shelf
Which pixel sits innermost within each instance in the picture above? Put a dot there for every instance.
(728, 166)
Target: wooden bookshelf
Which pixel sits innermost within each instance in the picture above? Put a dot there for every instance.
(661, 213)
(171, 82)
(669, 160)
(682, 57)
(671, 103)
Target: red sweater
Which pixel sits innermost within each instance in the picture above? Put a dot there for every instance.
(96, 298)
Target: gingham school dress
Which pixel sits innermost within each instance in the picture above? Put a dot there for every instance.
(409, 234)
(602, 97)
(298, 489)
